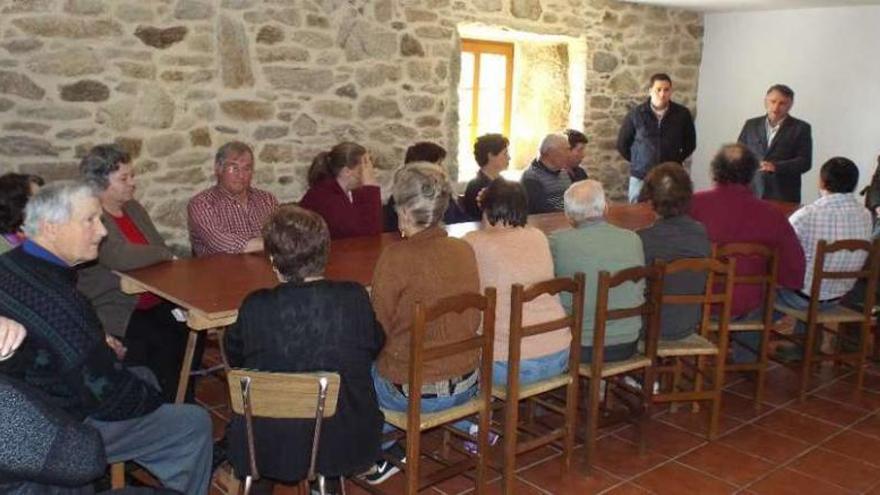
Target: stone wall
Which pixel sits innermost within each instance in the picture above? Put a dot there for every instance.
(172, 79)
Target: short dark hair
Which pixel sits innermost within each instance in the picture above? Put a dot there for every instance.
(669, 189)
(660, 76)
(425, 151)
(506, 202)
(232, 148)
(839, 175)
(298, 241)
(15, 190)
(101, 161)
(783, 89)
(575, 137)
(486, 144)
(734, 164)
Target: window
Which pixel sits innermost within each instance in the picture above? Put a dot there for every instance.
(484, 97)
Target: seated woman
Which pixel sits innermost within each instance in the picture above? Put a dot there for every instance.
(344, 191)
(490, 151)
(673, 236)
(425, 151)
(15, 190)
(510, 252)
(144, 323)
(308, 324)
(428, 265)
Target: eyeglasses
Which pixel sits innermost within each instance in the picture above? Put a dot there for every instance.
(235, 168)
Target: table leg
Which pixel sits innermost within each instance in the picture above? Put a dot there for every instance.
(186, 367)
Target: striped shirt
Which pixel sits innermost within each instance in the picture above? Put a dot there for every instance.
(218, 223)
(832, 217)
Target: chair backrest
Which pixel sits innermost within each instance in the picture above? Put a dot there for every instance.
(419, 355)
(718, 291)
(869, 271)
(649, 310)
(283, 396)
(767, 278)
(520, 295)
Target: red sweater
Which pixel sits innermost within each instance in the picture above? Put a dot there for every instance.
(360, 215)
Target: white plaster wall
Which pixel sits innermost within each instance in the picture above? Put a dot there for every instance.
(829, 56)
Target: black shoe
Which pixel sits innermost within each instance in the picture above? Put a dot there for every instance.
(385, 469)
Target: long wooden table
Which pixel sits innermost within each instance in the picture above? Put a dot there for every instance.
(212, 288)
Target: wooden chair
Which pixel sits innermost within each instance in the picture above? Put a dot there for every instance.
(822, 320)
(512, 393)
(413, 422)
(613, 373)
(766, 279)
(672, 355)
(284, 396)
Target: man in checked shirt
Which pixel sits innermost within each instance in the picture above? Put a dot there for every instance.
(228, 217)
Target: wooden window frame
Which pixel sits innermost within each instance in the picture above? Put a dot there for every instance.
(478, 47)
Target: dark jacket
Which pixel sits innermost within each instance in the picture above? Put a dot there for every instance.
(872, 191)
(670, 239)
(791, 151)
(471, 192)
(545, 187)
(97, 280)
(360, 215)
(645, 144)
(301, 327)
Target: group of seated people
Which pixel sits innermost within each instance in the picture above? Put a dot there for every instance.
(111, 360)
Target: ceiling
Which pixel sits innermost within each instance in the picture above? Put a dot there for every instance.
(742, 5)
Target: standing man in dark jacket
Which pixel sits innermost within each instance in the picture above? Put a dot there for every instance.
(782, 143)
(656, 131)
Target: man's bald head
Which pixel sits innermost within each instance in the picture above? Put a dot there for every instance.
(554, 151)
(734, 164)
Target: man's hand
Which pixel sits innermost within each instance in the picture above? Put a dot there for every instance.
(768, 167)
(117, 346)
(12, 333)
(480, 196)
(254, 245)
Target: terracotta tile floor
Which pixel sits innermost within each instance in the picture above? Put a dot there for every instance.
(827, 445)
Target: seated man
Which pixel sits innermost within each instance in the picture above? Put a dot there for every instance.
(835, 216)
(227, 217)
(731, 213)
(675, 235)
(544, 180)
(591, 246)
(68, 357)
(577, 144)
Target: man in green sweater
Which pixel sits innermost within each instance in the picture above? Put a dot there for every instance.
(591, 246)
(68, 357)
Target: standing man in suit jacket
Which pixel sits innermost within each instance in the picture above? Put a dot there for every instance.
(656, 131)
(782, 143)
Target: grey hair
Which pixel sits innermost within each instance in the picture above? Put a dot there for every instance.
(231, 148)
(423, 190)
(101, 161)
(552, 141)
(584, 200)
(54, 203)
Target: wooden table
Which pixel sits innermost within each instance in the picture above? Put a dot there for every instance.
(212, 288)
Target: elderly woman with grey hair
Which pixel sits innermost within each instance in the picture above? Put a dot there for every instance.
(144, 323)
(591, 246)
(427, 266)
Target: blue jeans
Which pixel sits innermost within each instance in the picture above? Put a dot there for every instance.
(390, 397)
(532, 370)
(635, 188)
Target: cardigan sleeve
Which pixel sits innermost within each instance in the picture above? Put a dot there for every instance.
(117, 253)
(385, 290)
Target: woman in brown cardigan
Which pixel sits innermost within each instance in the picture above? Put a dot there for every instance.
(427, 266)
(140, 328)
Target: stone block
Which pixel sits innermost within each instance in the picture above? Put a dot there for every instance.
(134, 12)
(333, 109)
(84, 7)
(233, 54)
(131, 145)
(266, 132)
(162, 145)
(373, 76)
(53, 112)
(410, 46)
(313, 39)
(526, 9)
(361, 40)
(371, 107)
(154, 109)
(276, 153)
(193, 10)
(298, 79)
(347, 91)
(200, 137)
(305, 125)
(160, 38)
(269, 54)
(85, 90)
(28, 127)
(65, 26)
(71, 62)
(269, 35)
(22, 45)
(13, 83)
(604, 62)
(135, 70)
(17, 146)
(247, 110)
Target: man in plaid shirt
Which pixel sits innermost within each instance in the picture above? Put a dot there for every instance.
(835, 216)
(228, 217)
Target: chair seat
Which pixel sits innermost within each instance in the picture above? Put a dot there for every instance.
(532, 389)
(692, 345)
(617, 367)
(430, 420)
(739, 326)
(836, 314)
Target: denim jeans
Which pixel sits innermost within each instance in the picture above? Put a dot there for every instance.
(635, 188)
(391, 398)
(532, 370)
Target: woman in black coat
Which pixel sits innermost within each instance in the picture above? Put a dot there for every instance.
(308, 324)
